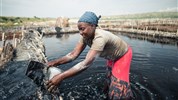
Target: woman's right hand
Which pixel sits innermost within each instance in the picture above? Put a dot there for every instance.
(54, 82)
(51, 63)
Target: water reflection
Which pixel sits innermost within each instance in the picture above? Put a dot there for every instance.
(62, 36)
(154, 72)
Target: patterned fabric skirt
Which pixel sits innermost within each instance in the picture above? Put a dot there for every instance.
(119, 90)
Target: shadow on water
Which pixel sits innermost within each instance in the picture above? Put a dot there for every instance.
(14, 85)
(153, 75)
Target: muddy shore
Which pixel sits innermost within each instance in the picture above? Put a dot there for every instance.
(162, 28)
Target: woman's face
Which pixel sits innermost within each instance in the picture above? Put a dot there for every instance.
(86, 30)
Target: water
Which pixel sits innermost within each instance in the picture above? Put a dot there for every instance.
(153, 75)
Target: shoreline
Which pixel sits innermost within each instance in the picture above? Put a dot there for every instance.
(152, 28)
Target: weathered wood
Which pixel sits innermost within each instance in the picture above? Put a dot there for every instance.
(30, 47)
(6, 54)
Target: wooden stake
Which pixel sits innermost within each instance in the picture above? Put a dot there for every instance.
(14, 40)
(22, 33)
(3, 45)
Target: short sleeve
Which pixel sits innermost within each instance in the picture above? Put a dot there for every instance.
(98, 43)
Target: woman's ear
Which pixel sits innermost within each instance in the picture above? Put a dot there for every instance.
(93, 25)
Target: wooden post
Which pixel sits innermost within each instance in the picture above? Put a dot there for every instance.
(132, 26)
(146, 29)
(14, 40)
(3, 40)
(157, 29)
(22, 33)
(3, 45)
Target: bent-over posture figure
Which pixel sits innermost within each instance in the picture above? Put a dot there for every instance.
(103, 44)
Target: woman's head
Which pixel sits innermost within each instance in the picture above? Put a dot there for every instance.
(89, 17)
(87, 24)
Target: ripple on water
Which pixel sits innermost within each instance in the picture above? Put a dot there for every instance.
(141, 92)
(175, 69)
(84, 86)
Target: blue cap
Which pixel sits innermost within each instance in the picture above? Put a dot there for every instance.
(89, 17)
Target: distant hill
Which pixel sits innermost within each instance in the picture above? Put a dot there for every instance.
(16, 21)
(143, 16)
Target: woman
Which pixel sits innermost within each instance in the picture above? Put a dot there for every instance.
(103, 44)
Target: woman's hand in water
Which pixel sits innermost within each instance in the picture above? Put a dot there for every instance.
(54, 82)
(51, 63)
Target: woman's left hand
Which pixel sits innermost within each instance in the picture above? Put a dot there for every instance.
(53, 83)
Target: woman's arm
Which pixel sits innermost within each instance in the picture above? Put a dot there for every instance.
(91, 55)
(81, 66)
(69, 57)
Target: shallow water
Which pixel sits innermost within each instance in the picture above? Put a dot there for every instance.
(153, 75)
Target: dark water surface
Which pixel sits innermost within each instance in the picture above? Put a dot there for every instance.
(153, 75)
